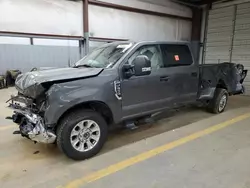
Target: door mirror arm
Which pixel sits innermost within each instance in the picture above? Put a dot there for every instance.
(128, 70)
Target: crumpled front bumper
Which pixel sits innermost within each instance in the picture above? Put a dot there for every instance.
(31, 125)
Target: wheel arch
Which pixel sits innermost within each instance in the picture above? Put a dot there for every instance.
(97, 106)
(221, 84)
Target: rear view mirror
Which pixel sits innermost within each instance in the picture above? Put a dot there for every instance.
(142, 65)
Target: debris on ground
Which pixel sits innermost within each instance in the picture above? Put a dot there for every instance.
(36, 152)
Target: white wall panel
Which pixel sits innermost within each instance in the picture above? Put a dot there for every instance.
(64, 17)
(185, 30)
(14, 40)
(113, 23)
(55, 42)
(59, 17)
(164, 6)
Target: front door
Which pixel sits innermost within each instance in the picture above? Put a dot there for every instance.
(145, 94)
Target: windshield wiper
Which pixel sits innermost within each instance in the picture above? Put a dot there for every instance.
(84, 65)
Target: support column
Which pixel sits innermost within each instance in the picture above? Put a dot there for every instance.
(233, 34)
(86, 25)
(31, 41)
(196, 32)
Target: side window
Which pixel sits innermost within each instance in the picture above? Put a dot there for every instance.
(152, 52)
(176, 55)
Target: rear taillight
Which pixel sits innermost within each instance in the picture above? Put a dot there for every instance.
(243, 76)
(241, 72)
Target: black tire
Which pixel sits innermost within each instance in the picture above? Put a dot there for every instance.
(214, 104)
(67, 124)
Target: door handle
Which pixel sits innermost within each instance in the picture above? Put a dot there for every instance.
(164, 78)
(194, 74)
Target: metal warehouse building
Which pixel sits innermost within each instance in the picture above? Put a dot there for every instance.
(161, 107)
(37, 33)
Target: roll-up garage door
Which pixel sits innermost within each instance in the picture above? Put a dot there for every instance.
(241, 42)
(228, 36)
(219, 35)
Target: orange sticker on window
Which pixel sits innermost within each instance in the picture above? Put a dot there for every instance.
(176, 57)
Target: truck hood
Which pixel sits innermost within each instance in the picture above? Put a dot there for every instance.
(31, 84)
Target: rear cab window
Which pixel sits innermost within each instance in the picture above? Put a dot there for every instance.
(176, 55)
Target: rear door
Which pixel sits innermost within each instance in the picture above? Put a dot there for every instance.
(182, 72)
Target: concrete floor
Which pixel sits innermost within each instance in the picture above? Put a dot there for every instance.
(215, 160)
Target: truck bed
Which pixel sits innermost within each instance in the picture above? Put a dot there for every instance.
(224, 75)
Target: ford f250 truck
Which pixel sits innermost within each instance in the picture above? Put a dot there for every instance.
(119, 82)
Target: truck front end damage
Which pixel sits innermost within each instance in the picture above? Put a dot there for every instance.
(31, 103)
(30, 121)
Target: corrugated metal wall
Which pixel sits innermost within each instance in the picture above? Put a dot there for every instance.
(241, 44)
(219, 35)
(24, 57)
(228, 36)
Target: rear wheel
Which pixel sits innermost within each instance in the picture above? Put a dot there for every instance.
(219, 102)
(82, 134)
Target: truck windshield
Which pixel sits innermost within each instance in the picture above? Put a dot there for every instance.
(105, 56)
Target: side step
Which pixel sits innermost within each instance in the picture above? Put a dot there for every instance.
(130, 125)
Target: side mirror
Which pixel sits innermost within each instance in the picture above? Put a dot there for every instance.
(142, 65)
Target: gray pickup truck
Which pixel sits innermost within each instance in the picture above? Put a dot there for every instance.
(116, 83)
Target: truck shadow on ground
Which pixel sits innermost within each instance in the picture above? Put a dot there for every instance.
(164, 122)
(167, 121)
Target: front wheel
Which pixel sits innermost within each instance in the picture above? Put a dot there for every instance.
(82, 134)
(219, 102)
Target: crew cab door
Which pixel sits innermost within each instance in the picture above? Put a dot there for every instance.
(182, 71)
(148, 93)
